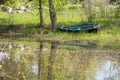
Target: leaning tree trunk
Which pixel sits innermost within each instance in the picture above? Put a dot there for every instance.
(52, 15)
(41, 14)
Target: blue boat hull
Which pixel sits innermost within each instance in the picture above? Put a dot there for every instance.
(84, 27)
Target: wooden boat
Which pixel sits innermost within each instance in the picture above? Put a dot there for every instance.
(83, 27)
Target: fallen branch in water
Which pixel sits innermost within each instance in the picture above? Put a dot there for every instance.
(3, 75)
(2, 50)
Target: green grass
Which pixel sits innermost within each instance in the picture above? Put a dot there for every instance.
(16, 19)
(109, 27)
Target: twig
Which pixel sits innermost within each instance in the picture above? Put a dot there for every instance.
(9, 77)
(3, 47)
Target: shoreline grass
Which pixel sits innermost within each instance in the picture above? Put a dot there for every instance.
(109, 27)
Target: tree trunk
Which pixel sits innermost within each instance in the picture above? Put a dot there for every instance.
(41, 14)
(52, 15)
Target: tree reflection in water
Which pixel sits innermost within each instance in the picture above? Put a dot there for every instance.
(52, 61)
(40, 61)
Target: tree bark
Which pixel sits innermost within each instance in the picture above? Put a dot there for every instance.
(52, 15)
(41, 14)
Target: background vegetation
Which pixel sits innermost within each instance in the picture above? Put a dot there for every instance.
(68, 12)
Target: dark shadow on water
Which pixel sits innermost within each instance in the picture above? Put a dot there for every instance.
(88, 46)
(74, 43)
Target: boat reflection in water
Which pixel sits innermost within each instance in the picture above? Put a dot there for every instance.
(53, 61)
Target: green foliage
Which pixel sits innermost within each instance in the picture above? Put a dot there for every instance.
(11, 3)
(59, 4)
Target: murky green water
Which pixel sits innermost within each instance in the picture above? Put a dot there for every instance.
(56, 61)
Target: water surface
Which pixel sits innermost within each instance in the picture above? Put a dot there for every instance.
(55, 61)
